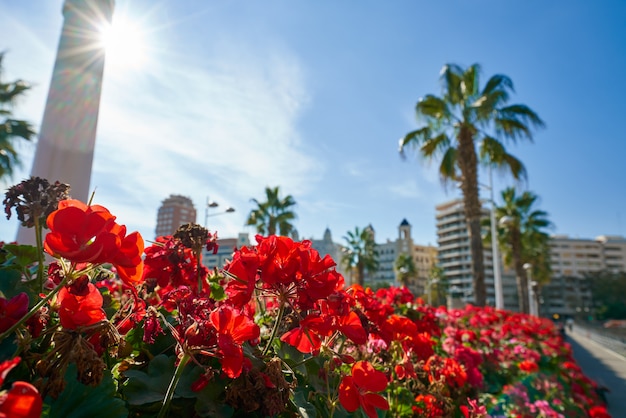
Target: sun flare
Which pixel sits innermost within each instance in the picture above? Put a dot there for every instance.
(124, 44)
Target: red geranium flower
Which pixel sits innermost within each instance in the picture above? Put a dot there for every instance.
(528, 366)
(307, 337)
(89, 234)
(233, 330)
(12, 310)
(22, 400)
(80, 310)
(427, 406)
(79, 232)
(358, 390)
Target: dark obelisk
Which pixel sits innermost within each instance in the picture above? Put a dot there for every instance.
(67, 134)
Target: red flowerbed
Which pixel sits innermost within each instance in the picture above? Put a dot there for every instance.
(113, 329)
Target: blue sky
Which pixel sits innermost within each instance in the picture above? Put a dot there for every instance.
(232, 96)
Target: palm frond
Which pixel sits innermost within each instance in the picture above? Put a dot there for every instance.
(497, 82)
(523, 113)
(451, 78)
(469, 86)
(432, 107)
(435, 145)
(414, 139)
(448, 168)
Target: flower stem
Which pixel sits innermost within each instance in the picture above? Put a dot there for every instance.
(34, 309)
(169, 395)
(198, 254)
(39, 241)
(279, 318)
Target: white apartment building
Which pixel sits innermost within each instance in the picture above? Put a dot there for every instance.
(326, 246)
(226, 247)
(424, 257)
(574, 261)
(454, 254)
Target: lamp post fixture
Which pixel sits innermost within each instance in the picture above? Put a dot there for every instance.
(430, 293)
(495, 257)
(210, 204)
(532, 303)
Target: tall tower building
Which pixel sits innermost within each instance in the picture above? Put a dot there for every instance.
(67, 134)
(175, 211)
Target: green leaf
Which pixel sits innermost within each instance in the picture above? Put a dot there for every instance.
(11, 284)
(210, 402)
(217, 291)
(305, 408)
(143, 388)
(21, 255)
(78, 400)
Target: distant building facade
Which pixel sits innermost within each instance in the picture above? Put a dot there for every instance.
(226, 248)
(574, 262)
(174, 211)
(454, 253)
(326, 246)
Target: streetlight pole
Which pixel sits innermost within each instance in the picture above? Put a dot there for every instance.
(532, 305)
(429, 286)
(497, 274)
(210, 204)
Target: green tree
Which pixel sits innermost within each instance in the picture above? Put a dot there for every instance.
(463, 119)
(275, 215)
(608, 291)
(439, 285)
(359, 254)
(522, 239)
(10, 128)
(405, 269)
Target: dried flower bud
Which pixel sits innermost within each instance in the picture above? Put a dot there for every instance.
(34, 198)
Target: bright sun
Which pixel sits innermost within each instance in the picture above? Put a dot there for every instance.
(124, 44)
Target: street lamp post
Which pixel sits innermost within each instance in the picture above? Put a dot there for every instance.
(497, 273)
(210, 204)
(429, 285)
(532, 303)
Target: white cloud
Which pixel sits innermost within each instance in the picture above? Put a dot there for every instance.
(226, 128)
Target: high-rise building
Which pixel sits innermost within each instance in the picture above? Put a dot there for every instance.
(175, 211)
(454, 253)
(67, 135)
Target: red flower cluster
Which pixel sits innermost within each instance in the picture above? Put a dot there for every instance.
(89, 234)
(216, 330)
(293, 274)
(22, 400)
(169, 264)
(80, 306)
(359, 390)
(427, 406)
(12, 310)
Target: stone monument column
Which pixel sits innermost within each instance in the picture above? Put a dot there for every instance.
(67, 134)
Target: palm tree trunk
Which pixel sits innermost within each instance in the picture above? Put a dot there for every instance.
(360, 271)
(468, 164)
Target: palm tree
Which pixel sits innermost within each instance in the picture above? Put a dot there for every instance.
(522, 239)
(10, 128)
(360, 254)
(405, 268)
(463, 119)
(274, 215)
